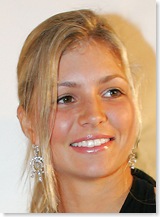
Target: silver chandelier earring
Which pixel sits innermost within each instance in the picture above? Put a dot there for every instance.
(133, 156)
(37, 164)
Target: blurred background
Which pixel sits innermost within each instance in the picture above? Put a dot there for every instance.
(135, 23)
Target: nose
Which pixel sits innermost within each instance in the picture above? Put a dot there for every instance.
(92, 113)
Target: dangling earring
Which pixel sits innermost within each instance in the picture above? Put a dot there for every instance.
(133, 156)
(132, 159)
(37, 164)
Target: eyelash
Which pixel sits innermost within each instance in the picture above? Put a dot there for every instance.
(64, 98)
(114, 93)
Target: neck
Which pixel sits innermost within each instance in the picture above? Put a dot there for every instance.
(101, 195)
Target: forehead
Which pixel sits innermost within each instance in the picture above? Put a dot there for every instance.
(83, 45)
(90, 57)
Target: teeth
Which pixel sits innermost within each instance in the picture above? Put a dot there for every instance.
(90, 143)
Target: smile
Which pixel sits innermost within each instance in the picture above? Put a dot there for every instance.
(91, 143)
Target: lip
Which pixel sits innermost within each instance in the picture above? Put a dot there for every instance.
(94, 149)
(92, 137)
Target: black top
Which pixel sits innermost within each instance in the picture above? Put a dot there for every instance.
(141, 198)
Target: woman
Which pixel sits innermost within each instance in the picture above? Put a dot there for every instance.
(78, 108)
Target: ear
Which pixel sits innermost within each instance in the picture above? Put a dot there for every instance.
(26, 124)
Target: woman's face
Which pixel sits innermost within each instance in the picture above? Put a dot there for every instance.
(95, 125)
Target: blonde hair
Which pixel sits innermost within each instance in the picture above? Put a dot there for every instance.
(37, 82)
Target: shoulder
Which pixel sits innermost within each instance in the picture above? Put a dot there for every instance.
(143, 187)
(143, 177)
(141, 198)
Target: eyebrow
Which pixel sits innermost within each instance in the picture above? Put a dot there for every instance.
(101, 81)
(68, 84)
(110, 77)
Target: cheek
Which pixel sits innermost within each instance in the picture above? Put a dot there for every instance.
(62, 127)
(122, 116)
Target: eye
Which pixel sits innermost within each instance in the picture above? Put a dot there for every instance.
(65, 100)
(112, 93)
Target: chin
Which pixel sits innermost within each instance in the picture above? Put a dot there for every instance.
(103, 170)
(96, 172)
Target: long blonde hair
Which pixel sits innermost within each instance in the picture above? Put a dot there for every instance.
(37, 82)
